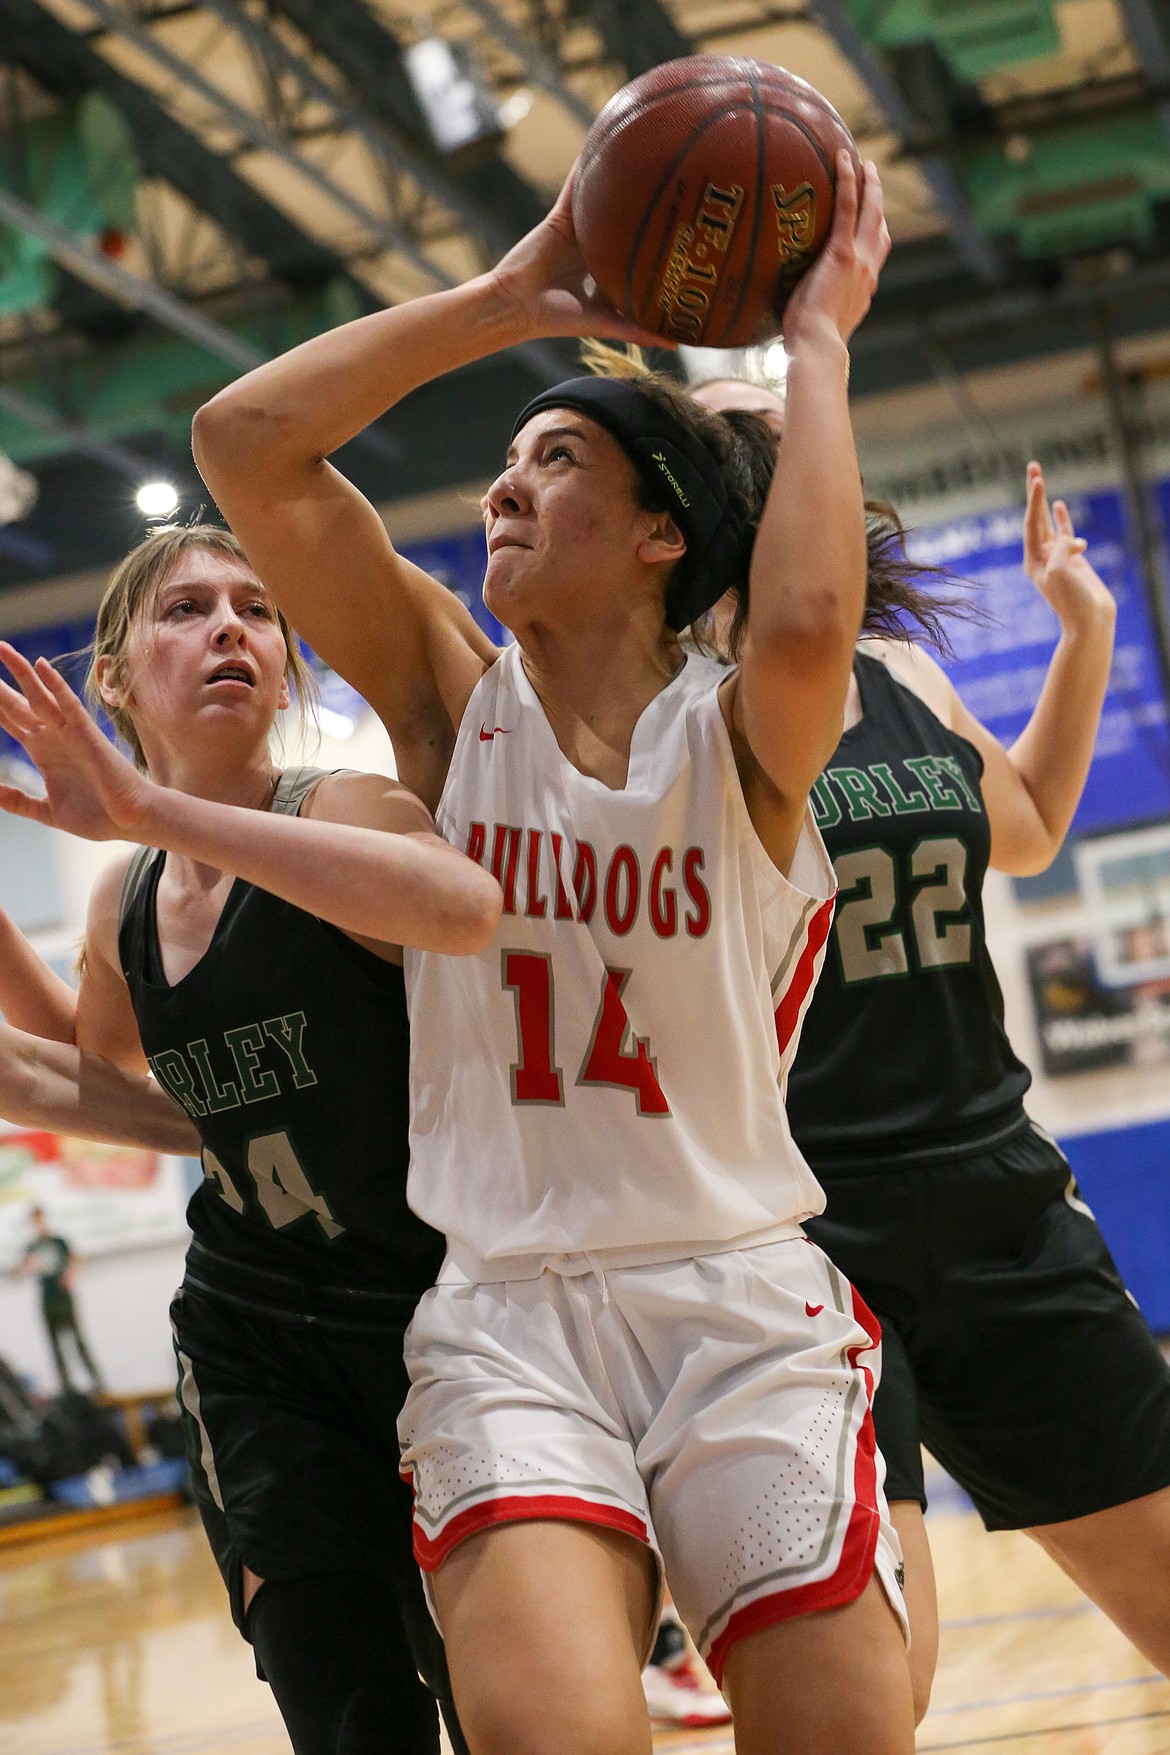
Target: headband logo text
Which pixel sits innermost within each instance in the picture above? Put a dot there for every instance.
(664, 466)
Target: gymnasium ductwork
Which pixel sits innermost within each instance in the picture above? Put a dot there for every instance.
(1074, 189)
(974, 37)
(78, 167)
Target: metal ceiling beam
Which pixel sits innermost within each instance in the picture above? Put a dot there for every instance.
(64, 64)
(128, 290)
(1047, 112)
(48, 420)
(541, 68)
(1123, 399)
(638, 34)
(155, 301)
(67, 66)
(1148, 25)
(542, 359)
(259, 133)
(369, 56)
(150, 383)
(979, 255)
(985, 328)
(400, 155)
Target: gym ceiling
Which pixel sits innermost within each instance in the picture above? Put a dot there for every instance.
(186, 189)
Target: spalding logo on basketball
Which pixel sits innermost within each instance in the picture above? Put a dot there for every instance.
(704, 191)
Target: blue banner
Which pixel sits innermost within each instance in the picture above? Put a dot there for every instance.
(1000, 665)
(1122, 1175)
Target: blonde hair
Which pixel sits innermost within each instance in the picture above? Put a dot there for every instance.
(133, 587)
(604, 360)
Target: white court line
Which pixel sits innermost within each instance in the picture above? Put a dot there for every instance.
(1056, 1613)
(1048, 1694)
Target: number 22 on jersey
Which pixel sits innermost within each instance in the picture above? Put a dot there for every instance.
(609, 1060)
(870, 946)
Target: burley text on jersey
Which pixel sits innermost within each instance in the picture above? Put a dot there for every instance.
(187, 1073)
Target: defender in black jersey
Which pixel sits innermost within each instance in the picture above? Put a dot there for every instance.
(956, 1215)
(272, 1008)
(287, 1044)
(1010, 1346)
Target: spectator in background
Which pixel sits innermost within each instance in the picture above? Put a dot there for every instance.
(52, 1261)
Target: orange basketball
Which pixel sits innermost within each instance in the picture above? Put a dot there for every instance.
(704, 191)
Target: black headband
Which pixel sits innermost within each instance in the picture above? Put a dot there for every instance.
(665, 451)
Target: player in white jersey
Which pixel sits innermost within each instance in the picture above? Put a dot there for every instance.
(633, 1361)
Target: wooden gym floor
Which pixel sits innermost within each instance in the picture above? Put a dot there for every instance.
(121, 1644)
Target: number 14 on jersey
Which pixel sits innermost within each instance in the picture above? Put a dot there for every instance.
(614, 1059)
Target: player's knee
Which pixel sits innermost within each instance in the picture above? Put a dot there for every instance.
(921, 1684)
(923, 1661)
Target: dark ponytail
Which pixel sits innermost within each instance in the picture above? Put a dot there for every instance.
(902, 599)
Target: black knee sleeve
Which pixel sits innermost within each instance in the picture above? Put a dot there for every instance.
(333, 1650)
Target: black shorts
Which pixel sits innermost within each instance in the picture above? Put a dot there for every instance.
(291, 1432)
(1010, 1346)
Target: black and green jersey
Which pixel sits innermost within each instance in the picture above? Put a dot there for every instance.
(903, 1054)
(287, 1044)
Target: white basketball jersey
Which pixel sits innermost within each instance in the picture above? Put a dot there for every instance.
(607, 1078)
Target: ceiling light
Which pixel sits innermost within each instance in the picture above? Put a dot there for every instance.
(515, 108)
(452, 92)
(157, 499)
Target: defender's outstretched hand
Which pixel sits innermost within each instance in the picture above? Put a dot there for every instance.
(93, 791)
(1055, 561)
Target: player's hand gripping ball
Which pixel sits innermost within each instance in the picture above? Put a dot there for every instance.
(703, 192)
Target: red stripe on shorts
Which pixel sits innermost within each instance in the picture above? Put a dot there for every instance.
(788, 1011)
(521, 1508)
(857, 1552)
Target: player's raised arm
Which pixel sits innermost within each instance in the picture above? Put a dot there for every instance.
(1032, 790)
(58, 1087)
(367, 858)
(809, 562)
(400, 638)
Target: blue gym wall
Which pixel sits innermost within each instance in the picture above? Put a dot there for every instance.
(1124, 1175)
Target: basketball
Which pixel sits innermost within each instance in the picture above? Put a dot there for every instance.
(704, 191)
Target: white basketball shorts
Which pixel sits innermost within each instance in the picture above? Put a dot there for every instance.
(716, 1408)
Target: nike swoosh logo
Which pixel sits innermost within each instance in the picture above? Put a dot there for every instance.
(812, 1309)
(486, 736)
